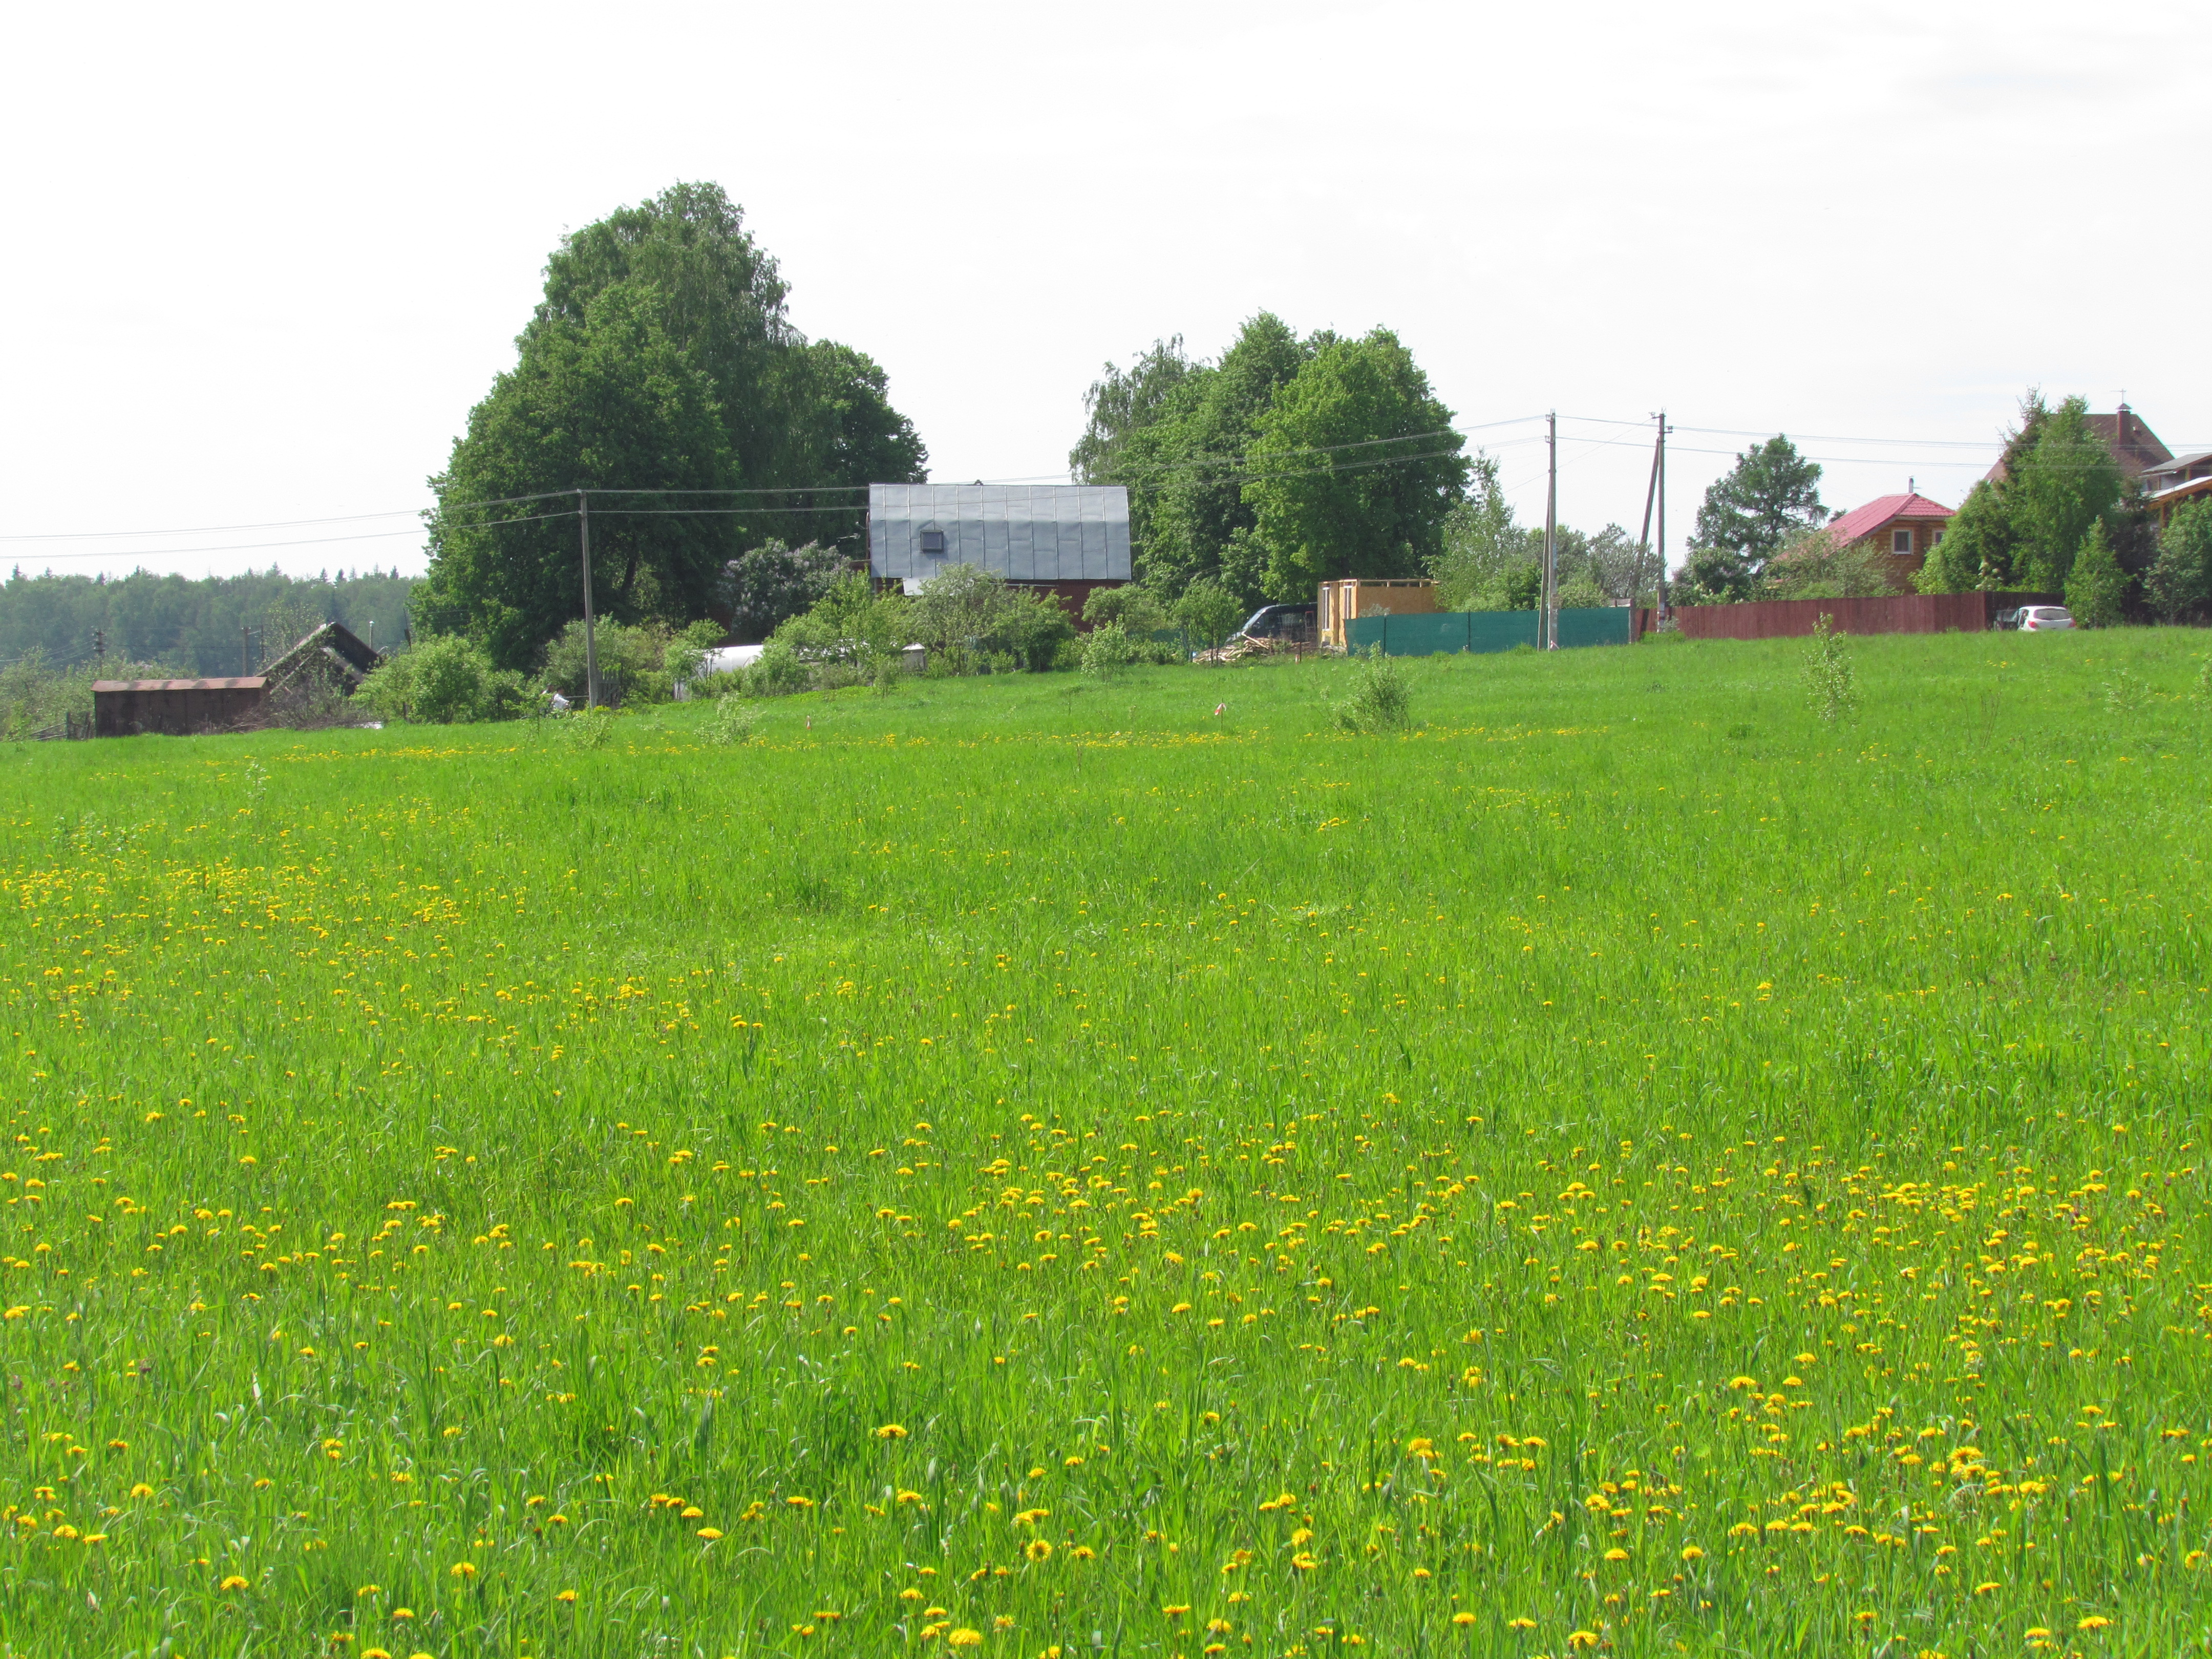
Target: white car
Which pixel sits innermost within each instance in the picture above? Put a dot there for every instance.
(2043, 618)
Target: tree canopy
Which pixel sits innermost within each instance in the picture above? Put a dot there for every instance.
(2023, 526)
(1337, 444)
(660, 363)
(1767, 500)
(1354, 470)
(609, 403)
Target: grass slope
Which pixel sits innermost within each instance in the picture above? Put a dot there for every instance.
(1043, 1167)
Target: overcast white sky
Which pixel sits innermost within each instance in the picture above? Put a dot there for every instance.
(262, 261)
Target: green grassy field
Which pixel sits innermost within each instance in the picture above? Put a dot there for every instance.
(1044, 1167)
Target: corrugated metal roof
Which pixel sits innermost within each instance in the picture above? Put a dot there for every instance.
(1024, 533)
(241, 683)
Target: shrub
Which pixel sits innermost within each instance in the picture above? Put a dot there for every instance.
(778, 672)
(443, 680)
(1209, 611)
(2096, 588)
(967, 616)
(1830, 681)
(847, 631)
(732, 723)
(1137, 608)
(1381, 701)
(2180, 578)
(1105, 651)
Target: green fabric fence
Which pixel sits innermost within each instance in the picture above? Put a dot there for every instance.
(1484, 630)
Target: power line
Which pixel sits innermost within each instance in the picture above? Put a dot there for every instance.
(274, 524)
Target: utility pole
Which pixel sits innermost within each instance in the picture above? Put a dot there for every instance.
(99, 645)
(1665, 603)
(1643, 542)
(591, 645)
(1552, 535)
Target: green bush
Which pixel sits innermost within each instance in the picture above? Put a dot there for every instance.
(778, 672)
(443, 680)
(641, 664)
(1106, 650)
(1381, 700)
(1832, 684)
(2096, 588)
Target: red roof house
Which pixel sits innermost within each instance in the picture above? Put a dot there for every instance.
(1903, 527)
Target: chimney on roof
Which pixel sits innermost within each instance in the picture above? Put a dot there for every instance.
(1912, 486)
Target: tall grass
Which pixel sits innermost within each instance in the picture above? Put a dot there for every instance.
(1033, 1164)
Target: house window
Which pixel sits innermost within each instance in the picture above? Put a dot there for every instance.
(1900, 541)
(932, 543)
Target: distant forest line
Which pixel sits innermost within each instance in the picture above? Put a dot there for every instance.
(208, 625)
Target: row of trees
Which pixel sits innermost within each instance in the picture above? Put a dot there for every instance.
(660, 369)
(1289, 462)
(186, 626)
(1488, 562)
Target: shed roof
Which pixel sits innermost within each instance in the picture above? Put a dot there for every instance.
(1024, 533)
(1864, 521)
(238, 682)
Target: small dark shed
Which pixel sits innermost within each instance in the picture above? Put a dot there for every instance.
(123, 708)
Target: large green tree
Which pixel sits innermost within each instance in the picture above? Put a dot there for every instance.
(668, 315)
(1770, 497)
(1123, 402)
(1354, 470)
(1174, 433)
(2021, 527)
(610, 402)
(1980, 547)
(2065, 486)
(1190, 465)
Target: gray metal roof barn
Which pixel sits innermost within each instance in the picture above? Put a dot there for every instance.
(1024, 533)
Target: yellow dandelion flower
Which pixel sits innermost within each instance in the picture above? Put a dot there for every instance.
(1303, 1562)
(1177, 1611)
(1037, 1550)
(2094, 1621)
(1462, 1617)
(1582, 1640)
(1616, 1554)
(1989, 1589)
(964, 1639)
(142, 1490)
(566, 1597)
(891, 1432)
(464, 1570)
(710, 1533)
(402, 1613)
(1520, 1623)
(1692, 1553)
(1084, 1552)
(232, 1582)
(375, 1653)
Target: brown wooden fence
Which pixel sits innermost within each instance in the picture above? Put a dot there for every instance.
(1900, 613)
